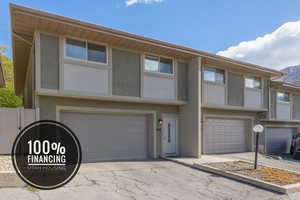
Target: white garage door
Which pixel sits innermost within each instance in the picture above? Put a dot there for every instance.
(109, 136)
(224, 136)
(278, 140)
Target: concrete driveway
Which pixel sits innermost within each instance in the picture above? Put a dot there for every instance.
(145, 180)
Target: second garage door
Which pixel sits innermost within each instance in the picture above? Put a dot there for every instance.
(109, 136)
(225, 135)
(278, 140)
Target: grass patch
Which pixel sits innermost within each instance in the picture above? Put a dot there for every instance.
(31, 189)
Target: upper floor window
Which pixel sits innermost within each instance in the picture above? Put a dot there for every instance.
(86, 51)
(283, 96)
(253, 82)
(214, 75)
(158, 64)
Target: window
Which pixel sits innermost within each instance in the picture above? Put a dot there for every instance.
(158, 64)
(86, 51)
(96, 53)
(283, 96)
(214, 75)
(76, 49)
(253, 82)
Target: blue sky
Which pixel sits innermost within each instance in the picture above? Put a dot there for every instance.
(211, 26)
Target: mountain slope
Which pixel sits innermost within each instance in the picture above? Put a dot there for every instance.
(293, 74)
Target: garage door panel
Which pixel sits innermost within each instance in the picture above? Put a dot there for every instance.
(109, 136)
(224, 136)
(278, 140)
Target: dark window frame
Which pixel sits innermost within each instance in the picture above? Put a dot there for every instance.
(254, 78)
(160, 69)
(285, 97)
(216, 72)
(87, 52)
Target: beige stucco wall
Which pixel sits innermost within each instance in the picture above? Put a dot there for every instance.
(190, 114)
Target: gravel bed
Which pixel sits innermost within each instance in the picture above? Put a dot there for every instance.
(287, 162)
(5, 163)
(268, 174)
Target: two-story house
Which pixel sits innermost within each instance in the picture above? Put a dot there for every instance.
(283, 119)
(130, 97)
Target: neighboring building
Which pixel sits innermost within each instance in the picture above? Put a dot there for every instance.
(2, 80)
(131, 97)
(233, 100)
(283, 120)
(292, 74)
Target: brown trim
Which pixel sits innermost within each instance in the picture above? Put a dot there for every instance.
(22, 32)
(238, 108)
(280, 121)
(42, 15)
(101, 97)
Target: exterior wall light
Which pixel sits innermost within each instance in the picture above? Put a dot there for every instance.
(160, 123)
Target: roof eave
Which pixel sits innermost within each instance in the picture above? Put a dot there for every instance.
(141, 39)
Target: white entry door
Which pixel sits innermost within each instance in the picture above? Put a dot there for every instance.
(169, 134)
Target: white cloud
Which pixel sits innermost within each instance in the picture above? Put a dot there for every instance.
(132, 2)
(276, 50)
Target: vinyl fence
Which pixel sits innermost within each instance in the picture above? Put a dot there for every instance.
(12, 120)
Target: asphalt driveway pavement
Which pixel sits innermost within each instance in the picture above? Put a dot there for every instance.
(161, 180)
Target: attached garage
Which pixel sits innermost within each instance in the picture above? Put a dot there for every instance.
(108, 136)
(278, 140)
(226, 135)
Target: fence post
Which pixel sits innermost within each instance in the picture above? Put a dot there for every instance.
(21, 118)
(37, 114)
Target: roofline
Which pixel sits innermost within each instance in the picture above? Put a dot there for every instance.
(142, 39)
(286, 84)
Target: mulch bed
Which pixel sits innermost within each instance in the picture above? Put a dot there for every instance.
(268, 174)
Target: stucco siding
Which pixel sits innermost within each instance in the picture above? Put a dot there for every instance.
(235, 89)
(296, 106)
(283, 111)
(48, 106)
(266, 89)
(49, 47)
(158, 87)
(273, 104)
(253, 98)
(190, 115)
(182, 83)
(126, 73)
(80, 78)
(213, 94)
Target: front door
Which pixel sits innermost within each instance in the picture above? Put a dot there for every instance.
(169, 134)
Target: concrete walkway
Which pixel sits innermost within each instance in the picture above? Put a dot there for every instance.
(285, 163)
(204, 159)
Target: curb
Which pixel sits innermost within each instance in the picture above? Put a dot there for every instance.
(10, 179)
(245, 179)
